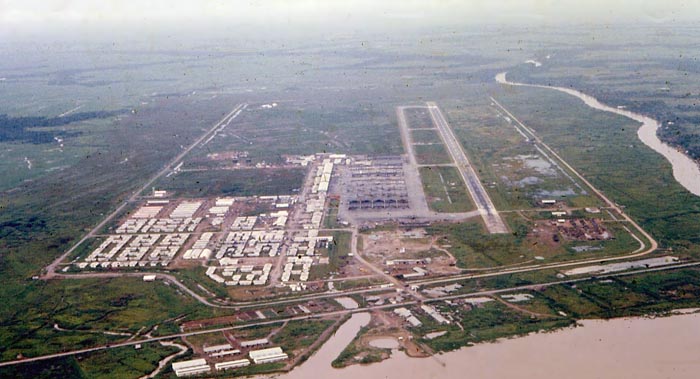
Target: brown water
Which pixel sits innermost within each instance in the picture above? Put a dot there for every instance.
(319, 365)
(621, 348)
(685, 170)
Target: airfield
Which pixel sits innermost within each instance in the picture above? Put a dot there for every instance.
(422, 240)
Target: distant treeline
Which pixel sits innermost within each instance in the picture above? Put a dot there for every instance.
(18, 129)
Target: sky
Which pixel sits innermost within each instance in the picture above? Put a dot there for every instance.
(50, 16)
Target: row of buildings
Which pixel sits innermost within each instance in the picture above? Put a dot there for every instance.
(201, 366)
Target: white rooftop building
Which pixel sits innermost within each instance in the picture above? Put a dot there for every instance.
(272, 354)
(191, 367)
(231, 364)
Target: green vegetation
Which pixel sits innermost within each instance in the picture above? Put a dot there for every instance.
(425, 136)
(208, 339)
(301, 334)
(338, 255)
(41, 130)
(193, 277)
(123, 362)
(487, 322)
(605, 149)
(358, 283)
(330, 219)
(245, 182)
(264, 368)
(432, 154)
(48, 369)
(345, 104)
(636, 295)
(366, 354)
(299, 127)
(474, 248)
(85, 308)
(445, 189)
(515, 173)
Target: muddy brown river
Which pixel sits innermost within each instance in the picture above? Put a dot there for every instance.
(637, 348)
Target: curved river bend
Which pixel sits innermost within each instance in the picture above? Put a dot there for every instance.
(685, 170)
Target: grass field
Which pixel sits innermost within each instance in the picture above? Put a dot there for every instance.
(124, 362)
(445, 189)
(86, 307)
(425, 136)
(431, 154)
(300, 334)
(337, 253)
(474, 248)
(234, 182)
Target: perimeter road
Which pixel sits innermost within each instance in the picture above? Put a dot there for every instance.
(492, 219)
(339, 313)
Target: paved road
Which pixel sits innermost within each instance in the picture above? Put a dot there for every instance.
(229, 305)
(340, 313)
(406, 134)
(481, 198)
(51, 269)
(414, 185)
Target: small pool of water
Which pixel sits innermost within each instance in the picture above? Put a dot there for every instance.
(385, 343)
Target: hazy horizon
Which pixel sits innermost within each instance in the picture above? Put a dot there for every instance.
(88, 20)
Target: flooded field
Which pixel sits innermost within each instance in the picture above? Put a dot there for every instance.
(619, 348)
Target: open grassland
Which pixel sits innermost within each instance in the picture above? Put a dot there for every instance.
(83, 310)
(43, 218)
(474, 248)
(445, 189)
(330, 219)
(660, 84)
(246, 182)
(293, 128)
(418, 118)
(124, 362)
(432, 154)
(425, 136)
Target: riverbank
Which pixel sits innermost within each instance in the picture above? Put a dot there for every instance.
(685, 170)
(617, 348)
